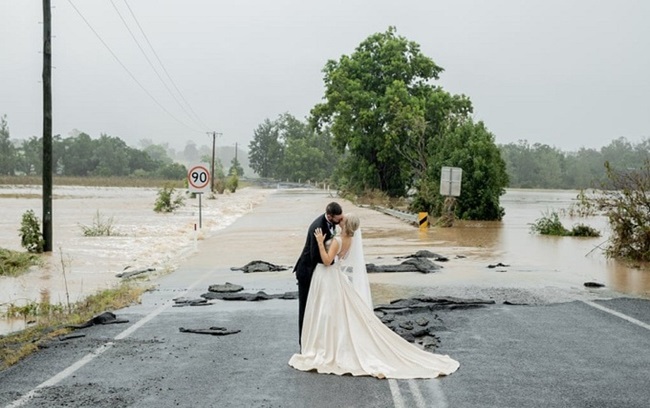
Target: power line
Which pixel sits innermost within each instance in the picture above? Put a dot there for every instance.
(126, 25)
(129, 72)
(163, 66)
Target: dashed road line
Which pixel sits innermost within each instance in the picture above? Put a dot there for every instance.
(398, 401)
(417, 395)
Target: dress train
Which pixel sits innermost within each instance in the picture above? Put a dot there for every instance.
(342, 335)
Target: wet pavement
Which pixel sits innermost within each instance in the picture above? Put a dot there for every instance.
(563, 346)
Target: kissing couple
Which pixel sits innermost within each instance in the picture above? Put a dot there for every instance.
(339, 332)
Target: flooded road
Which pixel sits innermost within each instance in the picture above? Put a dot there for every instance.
(147, 239)
(534, 261)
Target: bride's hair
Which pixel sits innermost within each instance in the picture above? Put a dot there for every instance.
(351, 224)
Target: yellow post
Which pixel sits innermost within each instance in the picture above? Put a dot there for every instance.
(423, 220)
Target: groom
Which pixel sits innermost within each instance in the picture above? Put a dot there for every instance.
(310, 255)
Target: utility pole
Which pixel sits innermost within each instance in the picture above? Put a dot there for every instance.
(214, 137)
(47, 127)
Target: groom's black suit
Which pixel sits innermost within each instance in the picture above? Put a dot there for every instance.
(309, 258)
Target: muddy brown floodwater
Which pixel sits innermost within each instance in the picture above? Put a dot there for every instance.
(533, 261)
(554, 268)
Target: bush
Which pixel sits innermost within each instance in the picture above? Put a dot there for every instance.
(626, 204)
(550, 224)
(100, 227)
(31, 237)
(582, 230)
(232, 182)
(166, 202)
(219, 185)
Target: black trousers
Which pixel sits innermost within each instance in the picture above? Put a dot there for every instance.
(303, 292)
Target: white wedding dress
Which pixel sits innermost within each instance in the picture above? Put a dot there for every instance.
(342, 335)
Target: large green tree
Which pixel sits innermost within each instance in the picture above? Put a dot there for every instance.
(306, 155)
(471, 147)
(397, 129)
(289, 149)
(370, 101)
(265, 150)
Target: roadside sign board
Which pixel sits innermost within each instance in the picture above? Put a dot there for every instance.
(450, 178)
(198, 178)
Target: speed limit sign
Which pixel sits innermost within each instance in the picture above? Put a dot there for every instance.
(198, 178)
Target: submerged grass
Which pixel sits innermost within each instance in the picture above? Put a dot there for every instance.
(14, 263)
(52, 321)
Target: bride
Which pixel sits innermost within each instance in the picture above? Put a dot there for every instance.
(341, 333)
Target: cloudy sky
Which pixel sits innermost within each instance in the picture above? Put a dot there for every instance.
(569, 74)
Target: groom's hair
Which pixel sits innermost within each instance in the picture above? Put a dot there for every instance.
(333, 208)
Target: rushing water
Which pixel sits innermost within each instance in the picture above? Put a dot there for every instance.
(145, 239)
(80, 265)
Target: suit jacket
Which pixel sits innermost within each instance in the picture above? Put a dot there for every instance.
(310, 256)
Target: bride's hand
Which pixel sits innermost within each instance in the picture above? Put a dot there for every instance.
(318, 233)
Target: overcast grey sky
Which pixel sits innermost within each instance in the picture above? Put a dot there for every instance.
(569, 74)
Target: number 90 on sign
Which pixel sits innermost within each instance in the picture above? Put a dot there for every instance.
(198, 178)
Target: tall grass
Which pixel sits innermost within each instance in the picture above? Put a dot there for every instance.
(53, 320)
(14, 263)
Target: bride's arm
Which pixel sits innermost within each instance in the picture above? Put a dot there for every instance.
(326, 256)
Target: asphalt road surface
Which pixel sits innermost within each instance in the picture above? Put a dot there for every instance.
(581, 353)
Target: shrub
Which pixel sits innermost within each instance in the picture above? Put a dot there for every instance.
(232, 182)
(31, 237)
(100, 227)
(550, 224)
(166, 202)
(219, 185)
(582, 230)
(626, 204)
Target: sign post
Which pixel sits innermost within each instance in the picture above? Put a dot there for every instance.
(198, 181)
(450, 178)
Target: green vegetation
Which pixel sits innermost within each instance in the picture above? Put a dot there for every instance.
(550, 224)
(384, 126)
(396, 129)
(543, 166)
(232, 182)
(100, 227)
(53, 320)
(626, 204)
(31, 237)
(287, 149)
(13, 263)
(166, 201)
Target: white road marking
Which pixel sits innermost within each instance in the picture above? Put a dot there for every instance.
(435, 396)
(398, 401)
(439, 397)
(618, 314)
(417, 395)
(100, 350)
